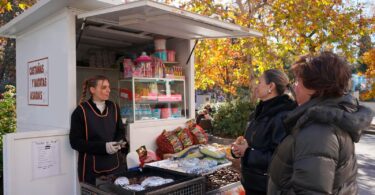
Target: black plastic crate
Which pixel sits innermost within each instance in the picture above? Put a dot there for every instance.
(183, 184)
(87, 189)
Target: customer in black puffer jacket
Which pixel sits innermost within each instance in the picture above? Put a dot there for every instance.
(317, 157)
(264, 132)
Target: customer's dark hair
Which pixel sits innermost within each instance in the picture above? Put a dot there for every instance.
(327, 73)
(91, 82)
(279, 78)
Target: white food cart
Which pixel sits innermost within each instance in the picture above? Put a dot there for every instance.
(38, 158)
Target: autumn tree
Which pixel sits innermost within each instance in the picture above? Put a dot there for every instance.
(8, 10)
(290, 29)
(369, 60)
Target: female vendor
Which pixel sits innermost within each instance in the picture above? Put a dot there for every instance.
(97, 132)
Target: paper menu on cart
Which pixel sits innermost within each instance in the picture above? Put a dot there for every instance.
(46, 158)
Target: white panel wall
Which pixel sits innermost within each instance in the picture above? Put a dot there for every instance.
(183, 48)
(54, 39)
(18, 163)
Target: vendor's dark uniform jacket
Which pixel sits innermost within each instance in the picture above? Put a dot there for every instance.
(90, 130)
(264, 132)
(318, 155)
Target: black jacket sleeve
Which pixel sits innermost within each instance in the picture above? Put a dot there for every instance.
(77, 136)
(262, 157)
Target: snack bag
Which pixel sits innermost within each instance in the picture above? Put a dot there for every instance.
(168, 142)
(142, 152)
(185, 137)
(199, 135)
(146, 156)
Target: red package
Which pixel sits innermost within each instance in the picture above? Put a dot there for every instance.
(199, 135)
(185, 137)
(168, 142)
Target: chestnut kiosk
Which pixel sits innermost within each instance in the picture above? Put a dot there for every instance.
(50, 68)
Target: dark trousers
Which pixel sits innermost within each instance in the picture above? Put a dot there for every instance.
(254, 192)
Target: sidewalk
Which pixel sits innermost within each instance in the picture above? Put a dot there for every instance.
(366, 165)
(372, 106)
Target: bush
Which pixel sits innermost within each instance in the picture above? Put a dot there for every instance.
(368, 95)
(231, 118)
(7, 116)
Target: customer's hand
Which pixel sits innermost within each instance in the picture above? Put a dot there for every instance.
(239, 149)
(235, 152)
(112, 147)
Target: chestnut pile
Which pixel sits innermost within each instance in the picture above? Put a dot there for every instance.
(222, 177)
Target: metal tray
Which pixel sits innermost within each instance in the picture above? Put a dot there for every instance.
(165, 164)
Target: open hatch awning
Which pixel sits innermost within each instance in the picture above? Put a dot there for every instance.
(157, 18)
(42, 9)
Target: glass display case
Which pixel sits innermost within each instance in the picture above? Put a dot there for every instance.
(151, 99)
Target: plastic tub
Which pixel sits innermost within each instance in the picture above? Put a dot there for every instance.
(161, 54)
(160, 44)
(165, 112)
(171, 56)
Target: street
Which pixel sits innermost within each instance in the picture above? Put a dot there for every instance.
(366, 164)
(366, 159)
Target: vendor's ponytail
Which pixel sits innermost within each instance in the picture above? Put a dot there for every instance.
(84, 91)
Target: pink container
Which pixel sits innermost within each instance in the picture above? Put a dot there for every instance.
(174, 110)
(165, 113)
(171, 56)
(128, 68)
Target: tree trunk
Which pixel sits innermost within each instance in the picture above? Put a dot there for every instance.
(249, 61)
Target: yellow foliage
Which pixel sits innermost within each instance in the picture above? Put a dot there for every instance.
(369, 60)
(290, 29)
(8, 7)
(23, 6)
(368, 95)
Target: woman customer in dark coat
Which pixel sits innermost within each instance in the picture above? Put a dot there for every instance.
(95, 132)
(264, 132)
(317, 157)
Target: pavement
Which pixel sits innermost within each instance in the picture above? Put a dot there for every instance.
(368, 104)
(365, 151)
(371, 105)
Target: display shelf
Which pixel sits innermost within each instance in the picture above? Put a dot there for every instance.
(97, 68)
(152, 98)
(166, 62)
(148, 79)
(157, 102)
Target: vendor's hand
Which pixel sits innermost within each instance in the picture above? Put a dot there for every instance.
(112, 147)
(122, 143)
